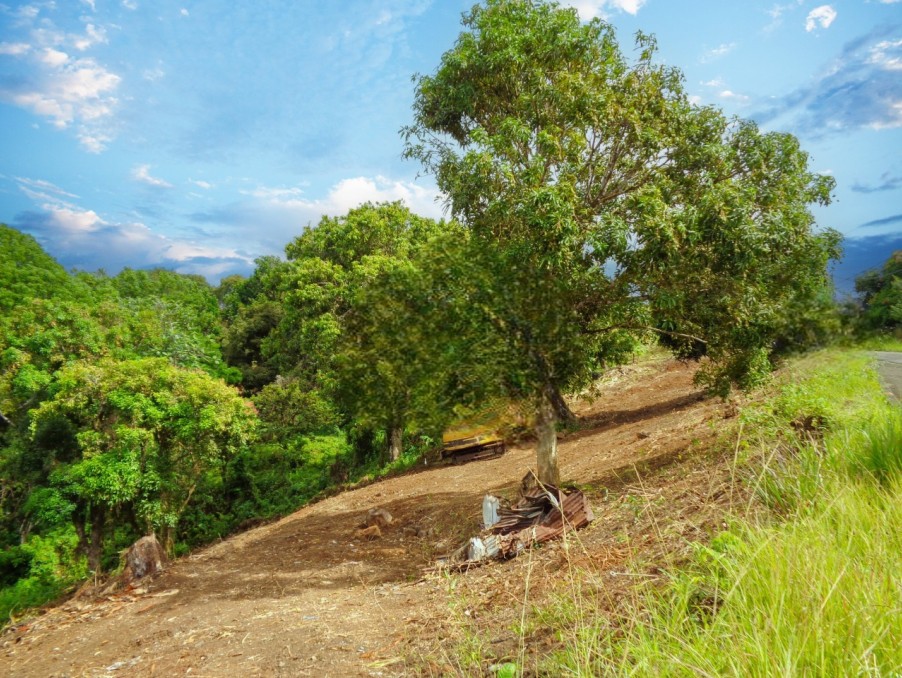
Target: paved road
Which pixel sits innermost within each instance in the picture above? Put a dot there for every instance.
(889, 366)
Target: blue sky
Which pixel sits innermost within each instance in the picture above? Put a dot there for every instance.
(198, 135)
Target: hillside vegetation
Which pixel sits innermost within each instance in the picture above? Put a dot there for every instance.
(595, 214)
(806, 578)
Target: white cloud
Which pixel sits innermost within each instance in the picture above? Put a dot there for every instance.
(860, 89)
(130, 4)
(777, 11)
(52, 57)
(821, 16)
(286, 211)
(206, 185)
(183, 11)
(274, 193)
(48, 37)
(350, 193)
(26, 14)
(628, 6)
(142, 173)
(41, 190)
(892, 120)
(67, 91)
(90, 242)
(716, 82)
(93, 36)
(74, 221)
(154, 74)
(83, 238)
(718, 52)
(589, 9)
(14, 48)
(95, 141)
(887, 55)
(732, 96)
(70, 92)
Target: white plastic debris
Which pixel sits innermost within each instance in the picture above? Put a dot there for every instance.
(490, 506)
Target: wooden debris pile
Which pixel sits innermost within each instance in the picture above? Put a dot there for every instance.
(542, 513)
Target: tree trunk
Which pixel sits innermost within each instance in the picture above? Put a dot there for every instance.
(546, 446)
(167, 538)
(561, 408)
(395, 444)
(95, 547)
(80, 522)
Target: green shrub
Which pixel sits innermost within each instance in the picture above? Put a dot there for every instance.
(26, 594)
(53, 565)
(878, 451)
(15, 563)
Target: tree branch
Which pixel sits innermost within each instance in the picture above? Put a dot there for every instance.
(647, 328)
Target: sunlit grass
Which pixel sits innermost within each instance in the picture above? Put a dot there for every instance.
(813, 588)
(817, 596)
(881, 342)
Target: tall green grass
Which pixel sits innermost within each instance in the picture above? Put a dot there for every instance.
(811, 588)
(817, 596)
(878, 452)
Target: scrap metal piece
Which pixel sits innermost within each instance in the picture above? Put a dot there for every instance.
(483, 548)
(543, 513)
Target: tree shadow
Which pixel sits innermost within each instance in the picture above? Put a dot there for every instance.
(605, 421)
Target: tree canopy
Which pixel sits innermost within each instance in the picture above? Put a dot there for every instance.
(604, 205)
(880, 291)
(27, 271)
(143, 434)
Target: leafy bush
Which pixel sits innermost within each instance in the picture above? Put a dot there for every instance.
(53, 564)
(267, 480)
(14, 565)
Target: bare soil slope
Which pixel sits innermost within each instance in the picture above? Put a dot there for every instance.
(307, 596)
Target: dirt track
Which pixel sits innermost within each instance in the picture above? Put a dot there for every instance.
(303, 596)
(889, 366)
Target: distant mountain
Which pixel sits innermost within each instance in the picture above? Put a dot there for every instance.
(860, 255)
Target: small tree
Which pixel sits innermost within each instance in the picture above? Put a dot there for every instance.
(144, 432)
(880, 292)
(603, 206)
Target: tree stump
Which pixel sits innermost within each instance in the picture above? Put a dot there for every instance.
(145, 557)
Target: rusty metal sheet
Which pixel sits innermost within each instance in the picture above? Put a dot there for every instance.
(541, 514)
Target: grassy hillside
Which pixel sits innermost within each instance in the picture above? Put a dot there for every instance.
(803, 578)
(806, 579)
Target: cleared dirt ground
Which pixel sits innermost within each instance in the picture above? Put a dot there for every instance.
(305, 596)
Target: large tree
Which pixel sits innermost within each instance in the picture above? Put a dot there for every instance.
(602, 205)
(335, 335)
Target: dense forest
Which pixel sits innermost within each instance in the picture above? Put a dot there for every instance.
(151, 402)
(593, 210)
